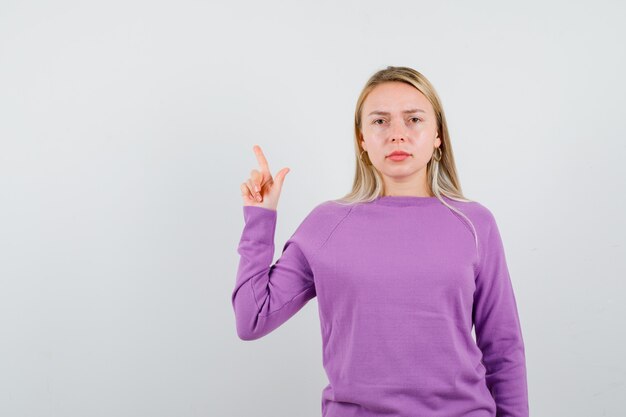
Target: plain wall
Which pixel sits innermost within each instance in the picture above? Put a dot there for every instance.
(126, 128)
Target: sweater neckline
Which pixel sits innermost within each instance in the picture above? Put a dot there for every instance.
(406, 200)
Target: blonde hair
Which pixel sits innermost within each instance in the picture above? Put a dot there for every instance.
(442, 176)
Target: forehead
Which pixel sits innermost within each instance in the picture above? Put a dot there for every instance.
(395, 97)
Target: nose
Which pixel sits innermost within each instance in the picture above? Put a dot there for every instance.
(397, 134)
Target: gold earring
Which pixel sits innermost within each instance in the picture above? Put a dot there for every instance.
(361, 157)
(438, 158)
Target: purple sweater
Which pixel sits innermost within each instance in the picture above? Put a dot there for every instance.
(399, 283)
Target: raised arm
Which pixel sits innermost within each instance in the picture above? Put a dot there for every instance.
(266, 295)
(498, 330)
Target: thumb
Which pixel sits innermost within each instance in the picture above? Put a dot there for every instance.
(280, 177)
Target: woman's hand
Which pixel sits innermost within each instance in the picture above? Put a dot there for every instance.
(261, 190)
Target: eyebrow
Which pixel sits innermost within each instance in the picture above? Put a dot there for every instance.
(384, 113)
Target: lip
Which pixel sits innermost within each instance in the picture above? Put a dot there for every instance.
(398, 153)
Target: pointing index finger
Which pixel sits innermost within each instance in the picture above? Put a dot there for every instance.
(261, 159)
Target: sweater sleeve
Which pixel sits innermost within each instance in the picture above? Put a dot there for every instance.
(266, 295)
(498, 330)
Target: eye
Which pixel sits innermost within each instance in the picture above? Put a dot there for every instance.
(416, 118)
(377, 120)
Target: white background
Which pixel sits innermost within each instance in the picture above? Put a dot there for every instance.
(126, 128)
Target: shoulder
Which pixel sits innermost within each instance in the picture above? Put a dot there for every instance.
(326, 213)
(321, 221)
(480, 215)
(477, 212)
(489, 239)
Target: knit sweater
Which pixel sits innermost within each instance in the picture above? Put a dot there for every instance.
(399, 281)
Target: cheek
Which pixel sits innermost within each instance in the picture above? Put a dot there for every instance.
(424, 154)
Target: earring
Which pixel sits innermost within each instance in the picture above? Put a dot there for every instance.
(361, 157)
(438, 158)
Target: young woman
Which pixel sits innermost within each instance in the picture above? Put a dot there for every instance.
(402, 267)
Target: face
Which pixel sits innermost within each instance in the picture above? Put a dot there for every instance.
(397, 117)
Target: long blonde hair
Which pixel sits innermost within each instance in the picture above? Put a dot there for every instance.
(442, 176)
